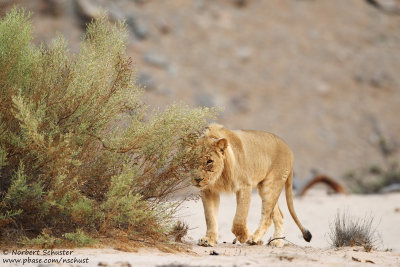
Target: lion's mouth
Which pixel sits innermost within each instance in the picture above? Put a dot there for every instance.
(198, 185)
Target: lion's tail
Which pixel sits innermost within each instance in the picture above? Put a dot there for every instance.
(289, 200)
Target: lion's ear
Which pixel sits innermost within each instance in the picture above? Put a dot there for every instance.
(221, 144)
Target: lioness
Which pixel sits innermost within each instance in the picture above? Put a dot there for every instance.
(238, 161)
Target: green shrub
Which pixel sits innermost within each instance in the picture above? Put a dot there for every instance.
(79, 238)
(78, 149)
(44, 240)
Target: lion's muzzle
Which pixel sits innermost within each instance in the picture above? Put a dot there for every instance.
(197, 181)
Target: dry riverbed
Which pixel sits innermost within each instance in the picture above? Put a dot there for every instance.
(316, 210)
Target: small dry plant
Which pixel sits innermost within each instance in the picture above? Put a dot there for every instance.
(179, 230)
(347, 231)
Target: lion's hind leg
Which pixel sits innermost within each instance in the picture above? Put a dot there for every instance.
(269, 191)
(277, 218)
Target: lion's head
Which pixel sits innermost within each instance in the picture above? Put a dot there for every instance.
(211, 161)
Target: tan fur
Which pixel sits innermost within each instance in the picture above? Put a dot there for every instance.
(238, 161)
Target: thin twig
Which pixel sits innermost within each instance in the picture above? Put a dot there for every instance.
(276, 238)
(284, 238)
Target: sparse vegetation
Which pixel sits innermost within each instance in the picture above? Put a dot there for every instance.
(349, 231)
(80, 155)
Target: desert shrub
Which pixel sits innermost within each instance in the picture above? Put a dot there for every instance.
(44, 240)
(78, 149)
(349, 231)
(79, 238)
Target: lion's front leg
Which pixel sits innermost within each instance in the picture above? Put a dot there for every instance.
(239, 228)
(211, 205)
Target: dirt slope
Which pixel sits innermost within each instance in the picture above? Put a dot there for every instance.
(323, 74)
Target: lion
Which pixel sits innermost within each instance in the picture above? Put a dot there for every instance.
(236, 161)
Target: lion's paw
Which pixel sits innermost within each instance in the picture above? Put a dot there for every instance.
(241, 232)
(254, 241)
(207, 242)
(276, 243)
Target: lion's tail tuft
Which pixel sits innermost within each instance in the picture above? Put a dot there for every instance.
(307, 235)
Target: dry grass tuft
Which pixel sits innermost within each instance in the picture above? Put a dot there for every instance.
(179, 231)
(346, 231)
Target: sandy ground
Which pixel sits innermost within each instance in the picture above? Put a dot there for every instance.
(316, 210)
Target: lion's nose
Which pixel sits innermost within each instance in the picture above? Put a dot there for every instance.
(198, 179)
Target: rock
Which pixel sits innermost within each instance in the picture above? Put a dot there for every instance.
(390, 189)
(380, 79)
(214, 253)
(156, 60)
(199, 4)
(239, 104)
(240, 3)
(164, 27)
(172, 70)
(115, 13)
(205, 100)
(121, 264)
(53, 7)
(137, 27)
(146, 80)
(225, 20)
(165, 91)
(140, 2)
(322, 88)
(116, 264)
(296, 183)
(389, 6)
(86, 11)
(244, 53)
(376, 78)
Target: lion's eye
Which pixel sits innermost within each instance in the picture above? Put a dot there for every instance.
(209, 161)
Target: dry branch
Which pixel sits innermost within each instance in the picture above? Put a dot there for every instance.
(338, 188)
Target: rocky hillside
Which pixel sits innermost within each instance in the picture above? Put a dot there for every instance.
(324, 75)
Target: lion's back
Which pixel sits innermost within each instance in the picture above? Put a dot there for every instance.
(251, 143)
(264, 152)
(254, 154)
(261, 141)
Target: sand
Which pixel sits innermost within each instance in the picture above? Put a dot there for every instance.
(316, 210)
